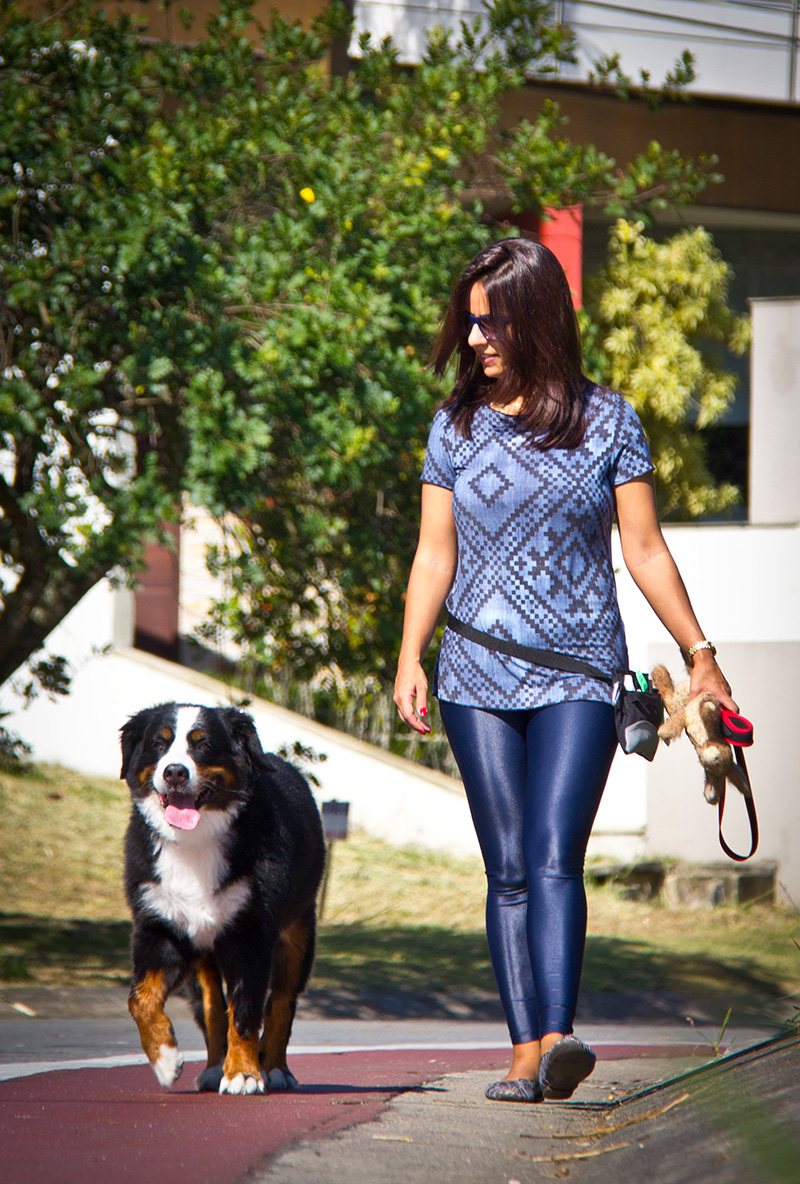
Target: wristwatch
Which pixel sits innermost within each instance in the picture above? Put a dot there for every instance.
(701, 645)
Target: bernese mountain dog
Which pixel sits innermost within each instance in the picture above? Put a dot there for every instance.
(224, 854)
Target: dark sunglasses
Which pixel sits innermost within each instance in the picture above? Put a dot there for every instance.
(488, 327)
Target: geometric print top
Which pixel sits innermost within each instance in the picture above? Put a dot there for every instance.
(534, 552)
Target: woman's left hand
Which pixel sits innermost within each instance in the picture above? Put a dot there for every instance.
(707, 678)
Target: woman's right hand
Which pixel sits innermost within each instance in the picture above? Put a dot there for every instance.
(431, 578)
(411, 695)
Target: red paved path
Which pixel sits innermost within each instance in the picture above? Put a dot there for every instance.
(116, 1126)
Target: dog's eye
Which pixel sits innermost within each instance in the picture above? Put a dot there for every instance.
(199, 742)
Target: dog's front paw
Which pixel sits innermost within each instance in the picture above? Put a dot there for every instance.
(281, 1079)
(242, 1083)
(209, 1080)
(169, 1065)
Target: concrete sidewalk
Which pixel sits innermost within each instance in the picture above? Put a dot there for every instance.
(665, 1120)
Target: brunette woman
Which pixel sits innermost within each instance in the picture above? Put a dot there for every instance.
(528, 463)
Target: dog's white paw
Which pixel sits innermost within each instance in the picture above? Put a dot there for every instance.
(242, 1083)
(169, 1065)
(281, 1079)
(209, 1079)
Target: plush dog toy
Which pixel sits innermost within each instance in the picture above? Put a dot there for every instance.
(700, 718)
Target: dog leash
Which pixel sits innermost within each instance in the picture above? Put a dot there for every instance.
(738, 731)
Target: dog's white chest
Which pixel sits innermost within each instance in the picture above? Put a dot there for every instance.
(187, 892)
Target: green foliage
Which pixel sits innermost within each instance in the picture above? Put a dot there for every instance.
(14, 751)
(109, 299)
(608, 72)
(302, 756)
(221, 270)
(542, 168)
(663, 325)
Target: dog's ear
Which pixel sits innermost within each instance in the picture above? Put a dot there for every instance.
(131, 735)
(243, 734)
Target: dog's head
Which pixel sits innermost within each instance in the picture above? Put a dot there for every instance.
(180, 760)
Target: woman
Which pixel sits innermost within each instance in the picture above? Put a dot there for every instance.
(527, 463)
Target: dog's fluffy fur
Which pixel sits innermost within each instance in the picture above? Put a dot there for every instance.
(224, 854)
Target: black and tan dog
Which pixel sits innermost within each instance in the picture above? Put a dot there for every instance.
(223, 857)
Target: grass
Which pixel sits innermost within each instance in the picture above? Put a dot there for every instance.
(61, 852)
(397, 923)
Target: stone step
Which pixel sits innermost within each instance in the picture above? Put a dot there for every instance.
(689, 885)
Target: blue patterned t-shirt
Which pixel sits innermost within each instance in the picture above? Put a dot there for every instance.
(534, 551)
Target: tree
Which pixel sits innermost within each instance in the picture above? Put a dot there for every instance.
(110, 303)
(221, 271)
(664, 321)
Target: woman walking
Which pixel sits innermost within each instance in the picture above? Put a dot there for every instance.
(528, 462)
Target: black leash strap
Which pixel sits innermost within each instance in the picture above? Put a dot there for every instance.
(527, 653)
(750, 810)
(738, 742)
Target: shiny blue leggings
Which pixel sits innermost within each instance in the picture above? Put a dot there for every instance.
(534, 780)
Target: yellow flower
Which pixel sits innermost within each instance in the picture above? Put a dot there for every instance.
(307, 194)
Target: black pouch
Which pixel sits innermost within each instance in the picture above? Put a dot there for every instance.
(638, 714)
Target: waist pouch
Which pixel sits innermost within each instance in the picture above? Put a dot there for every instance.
(638, 711)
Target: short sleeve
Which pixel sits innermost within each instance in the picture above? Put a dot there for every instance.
(438, 468)
(632, 454)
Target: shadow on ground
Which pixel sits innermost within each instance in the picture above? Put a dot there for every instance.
(429, 971)
(364, 970)
(677, 985)
(44, 949)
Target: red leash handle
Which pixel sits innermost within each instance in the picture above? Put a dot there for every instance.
(738, 731)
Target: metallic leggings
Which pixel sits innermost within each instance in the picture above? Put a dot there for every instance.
(534, 780)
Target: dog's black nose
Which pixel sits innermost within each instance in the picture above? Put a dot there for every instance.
(176, 775)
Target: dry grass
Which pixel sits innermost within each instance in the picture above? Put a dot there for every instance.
(62, 845)
(372, 883)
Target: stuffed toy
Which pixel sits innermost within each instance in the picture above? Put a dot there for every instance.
(701, 720)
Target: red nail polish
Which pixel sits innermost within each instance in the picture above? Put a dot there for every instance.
(423, 711)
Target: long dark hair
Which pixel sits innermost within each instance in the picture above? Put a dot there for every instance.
(537, 333)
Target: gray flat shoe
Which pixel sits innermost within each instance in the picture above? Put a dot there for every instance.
(564, 1067)
(522, 1090)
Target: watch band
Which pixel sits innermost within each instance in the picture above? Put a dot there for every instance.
(701, 645)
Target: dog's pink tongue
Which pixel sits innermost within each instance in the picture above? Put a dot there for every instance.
(182, 812)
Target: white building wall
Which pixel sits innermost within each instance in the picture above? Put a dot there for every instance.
(775, 413)
(741, 49)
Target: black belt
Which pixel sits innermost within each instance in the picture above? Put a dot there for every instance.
(527, 653)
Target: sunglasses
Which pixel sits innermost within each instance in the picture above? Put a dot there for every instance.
(488, 327)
